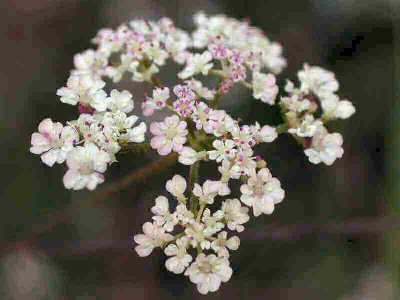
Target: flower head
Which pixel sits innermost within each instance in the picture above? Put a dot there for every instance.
(169, 135)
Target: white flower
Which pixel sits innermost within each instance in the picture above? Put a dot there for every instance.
(136, 134)
(163, 217)
(307, 128)
(85, 90)
(208, 272)
(235, 214)
(334, 108)
(168, 135)
(245, 160)
(224, 150)
(85, 167)
(180, 259)
(183, 215)
(207, 193)
(177, 187)
(317, 80)
(222, 244)
(198, 235)
(197, 63)
(120, 101)
(325, 147)
(242, 136)
(213, 222)
(262, 192)
(229, 171)
(265, 88)
(153, 237)
(157, 102)
(188, 156)
(53, 141)
(266, 134)
(203, 92)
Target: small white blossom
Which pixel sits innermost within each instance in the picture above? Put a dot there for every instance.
(229, 171)
(153, 237)
(262, 192)
(198, 236)
(168, 135)
(188, 156)
(265, 88)
(162, 215)
(235, 214)
(307, 128)
(120, 101)
(179, 259)
(177, 187)
(157, 102)
(266, 134)
(197, 63)
(86, 165)
(208, 272)
(53, 141)
(207, 193)
(197, 87)
(213, 222)
(334, 108)
(137, 134)
(224, 150)
(325, 147)
(183, 215)
(84, 90)
(222, 244)
(318, 80)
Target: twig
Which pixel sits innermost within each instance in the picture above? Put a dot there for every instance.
(359, 226)
(62, 216)
(290, 232)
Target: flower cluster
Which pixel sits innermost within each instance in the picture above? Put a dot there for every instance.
(197, 238)
(89, 144)
(308, 108)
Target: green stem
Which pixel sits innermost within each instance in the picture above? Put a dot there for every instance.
(214, 102)
(134, 148)
(193, 176)
(283, 128)
(200, 213)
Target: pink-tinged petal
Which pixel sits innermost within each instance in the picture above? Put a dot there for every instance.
(155, 128)
(39, 149)
(143, 251)
(166, 149)
(157, 142)
(46, 126)
(177, 147)
(50, 157)
(70, 178)
(38, 139)
(147, 111)
(182, 125)
(142, 239)
(148, 229)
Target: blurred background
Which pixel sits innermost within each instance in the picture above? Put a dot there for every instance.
(333, 237)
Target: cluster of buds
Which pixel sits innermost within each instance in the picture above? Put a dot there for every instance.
(196, 239)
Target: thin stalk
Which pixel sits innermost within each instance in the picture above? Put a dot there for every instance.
(193, 176)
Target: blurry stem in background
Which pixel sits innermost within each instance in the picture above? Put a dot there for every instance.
(346, 229)
(392, 255)
(62, 216)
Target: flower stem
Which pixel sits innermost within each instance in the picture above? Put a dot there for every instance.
(200, 213)
(134, 148)
(193, 176)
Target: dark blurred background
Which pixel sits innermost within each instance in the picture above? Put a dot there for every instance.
(57, 244)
